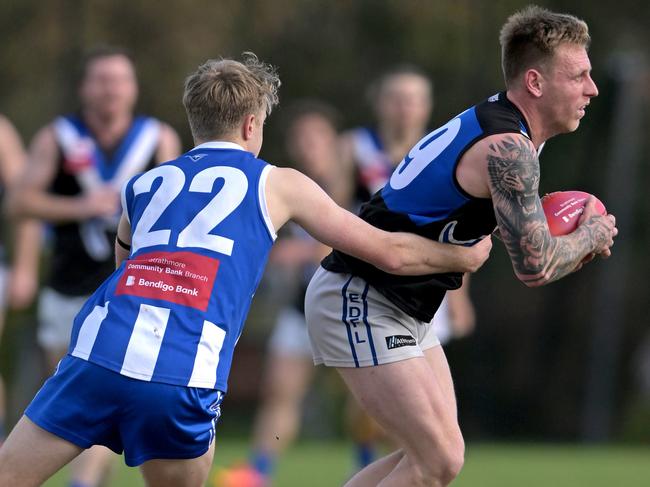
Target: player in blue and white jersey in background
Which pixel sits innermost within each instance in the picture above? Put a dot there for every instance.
(151, 349)
(456, 184)
(77, 165)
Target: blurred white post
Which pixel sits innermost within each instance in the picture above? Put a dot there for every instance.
(621, 185)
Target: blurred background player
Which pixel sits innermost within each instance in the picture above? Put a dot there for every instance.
(402, 102)
(312, 146)
(77, 166)
(17, 284)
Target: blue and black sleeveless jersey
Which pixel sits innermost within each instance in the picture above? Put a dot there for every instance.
(83, 251)
(424, 197)
(201, 235)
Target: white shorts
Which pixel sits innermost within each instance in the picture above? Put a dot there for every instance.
(56, 312)
(441, 322)
(350, 324)
(289, 337)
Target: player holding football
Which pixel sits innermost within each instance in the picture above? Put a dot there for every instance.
(151, 349)
(478, 171)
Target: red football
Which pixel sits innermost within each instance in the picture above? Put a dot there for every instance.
(563, 210)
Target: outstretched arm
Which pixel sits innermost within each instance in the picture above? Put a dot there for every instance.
(537, 257)
(292, 195)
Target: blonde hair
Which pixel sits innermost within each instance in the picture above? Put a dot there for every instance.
(531, 36)
(222, 92)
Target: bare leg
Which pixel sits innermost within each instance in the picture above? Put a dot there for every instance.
(3, 412)
(374, 473)
(278, 418)
(413, 401)
(31, 455)
(178, 473)
(91, 468)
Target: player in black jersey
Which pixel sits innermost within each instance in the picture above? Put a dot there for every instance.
(76, 167)
(478, 171)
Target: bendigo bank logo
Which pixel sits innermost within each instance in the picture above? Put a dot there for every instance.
(179, 277)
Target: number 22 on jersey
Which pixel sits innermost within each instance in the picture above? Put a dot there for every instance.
(197, 233)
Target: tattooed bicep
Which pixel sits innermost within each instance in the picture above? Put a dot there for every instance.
(513, 169)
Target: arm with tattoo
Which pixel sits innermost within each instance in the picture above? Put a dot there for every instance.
(537, 257)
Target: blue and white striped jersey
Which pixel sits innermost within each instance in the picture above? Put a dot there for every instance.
(175, 309)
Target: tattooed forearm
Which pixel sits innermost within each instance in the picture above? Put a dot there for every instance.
(537, 257)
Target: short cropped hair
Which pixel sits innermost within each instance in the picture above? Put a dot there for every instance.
(376, 88)
(530, 37)
(101, 51)
(222, 92)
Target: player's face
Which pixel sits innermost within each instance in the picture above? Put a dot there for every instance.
(404, 102)
(109, 87)
(312, 144)
(568, 87)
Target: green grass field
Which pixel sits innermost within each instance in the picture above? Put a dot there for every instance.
(312, 464)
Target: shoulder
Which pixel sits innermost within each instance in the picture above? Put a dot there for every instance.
(169, 143)
(45, 137)
(7, 129)
(498, 115)
(167, 132)
(4, 123)
(503, 145)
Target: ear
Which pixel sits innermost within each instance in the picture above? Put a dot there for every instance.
(534, 82)
(248, 126)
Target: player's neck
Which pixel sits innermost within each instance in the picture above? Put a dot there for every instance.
(397, 141)
(232, 140)
(539, 132)
(107, 129)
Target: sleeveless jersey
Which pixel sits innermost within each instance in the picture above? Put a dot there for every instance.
(174, 310)
(373, 166)
(424, 197)
(83, 251)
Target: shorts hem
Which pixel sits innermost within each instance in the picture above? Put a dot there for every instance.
(63, 433)
(367, 362)
(145, 457)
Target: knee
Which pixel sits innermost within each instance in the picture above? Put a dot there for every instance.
(441, 467)
(452, 464)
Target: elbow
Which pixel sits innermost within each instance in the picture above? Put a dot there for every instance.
(535, 273)
(391, 263)
(535, 280)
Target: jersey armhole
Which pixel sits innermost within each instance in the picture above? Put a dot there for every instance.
(261, 196)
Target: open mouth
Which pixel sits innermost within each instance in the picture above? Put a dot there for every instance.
(582, 110)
